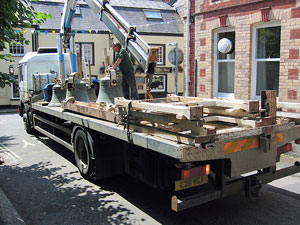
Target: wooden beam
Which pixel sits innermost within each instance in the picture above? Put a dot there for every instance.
(191, 113)
(291, 115)
(195, 103)
(230, 112)
(251, 106)
(91, 109)
(268, 102)
(288, 106)
(164, 119)
(238, 121)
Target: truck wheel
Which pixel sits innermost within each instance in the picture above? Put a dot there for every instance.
(83, 157)
(27, 125)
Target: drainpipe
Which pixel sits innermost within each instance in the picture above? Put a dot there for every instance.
(187, 49)
(196, 77)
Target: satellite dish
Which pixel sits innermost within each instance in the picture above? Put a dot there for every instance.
(225, 46)
(171, 56)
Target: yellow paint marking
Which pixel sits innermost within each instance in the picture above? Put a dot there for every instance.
(10, 152)
(7, 153)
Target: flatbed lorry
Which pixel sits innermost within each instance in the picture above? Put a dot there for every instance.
(148, 145)
(197, 149)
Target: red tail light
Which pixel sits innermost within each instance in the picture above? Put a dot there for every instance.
(195, 172)
(289, 147)
(207, 169)
(285, 148)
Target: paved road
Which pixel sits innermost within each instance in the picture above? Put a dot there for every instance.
(40, 179)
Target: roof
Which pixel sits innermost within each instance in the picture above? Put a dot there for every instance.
(178, 3)
(171, 22)
(86, 21)
(144, 4)
(132, 12)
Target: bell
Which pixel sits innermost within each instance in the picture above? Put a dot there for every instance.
(57, 96)
(80, 92)
(69, 94)
(91, 93)
(107, 93)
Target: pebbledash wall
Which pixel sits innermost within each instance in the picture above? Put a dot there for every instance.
(266, 37)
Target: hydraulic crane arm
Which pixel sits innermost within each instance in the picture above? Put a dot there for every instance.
(126, 34)
(66, 38)
(68, 13)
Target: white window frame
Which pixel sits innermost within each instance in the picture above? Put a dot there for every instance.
(254, 56)
(81, 49)
(18, 46)
(162, 46)
(154, 11)
(216, 62)
(164, 82)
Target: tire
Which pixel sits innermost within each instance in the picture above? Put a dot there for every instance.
(27, 125)
(83, 157)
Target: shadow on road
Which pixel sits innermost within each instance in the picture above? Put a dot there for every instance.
(48, 195)
(6, 140)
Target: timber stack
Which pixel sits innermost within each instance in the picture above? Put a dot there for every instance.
(190, 120)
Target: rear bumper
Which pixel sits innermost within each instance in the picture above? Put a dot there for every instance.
(250, 184)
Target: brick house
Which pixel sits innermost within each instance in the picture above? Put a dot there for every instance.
(266, 39)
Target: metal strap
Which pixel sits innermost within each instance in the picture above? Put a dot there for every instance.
(129, 134)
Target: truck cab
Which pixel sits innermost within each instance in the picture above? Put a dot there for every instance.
(36, 70)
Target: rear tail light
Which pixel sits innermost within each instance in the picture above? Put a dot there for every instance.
(285, 148)
(289, 147)
(195, 172)
(207, 169)
(19, 110)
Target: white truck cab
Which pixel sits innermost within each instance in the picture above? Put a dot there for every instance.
(37, 69)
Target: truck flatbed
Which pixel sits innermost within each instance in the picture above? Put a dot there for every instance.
(158, 144)
(214, 137)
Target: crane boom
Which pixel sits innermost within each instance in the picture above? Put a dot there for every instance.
(126, 34)
(66, 39)
(65, 26)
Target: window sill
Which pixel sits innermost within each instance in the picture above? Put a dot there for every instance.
(225, 96)
(17, 55)
(157, 91)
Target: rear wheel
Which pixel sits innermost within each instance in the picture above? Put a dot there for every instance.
(83, 155)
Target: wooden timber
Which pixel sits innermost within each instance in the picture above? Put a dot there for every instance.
(198, 119)
(182, 112)
(230, 112)
(238, 121)
(251, 106)
(268, 102)
(288, 107)
(91, 109)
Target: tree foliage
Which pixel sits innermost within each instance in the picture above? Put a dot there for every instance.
(16, 14)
